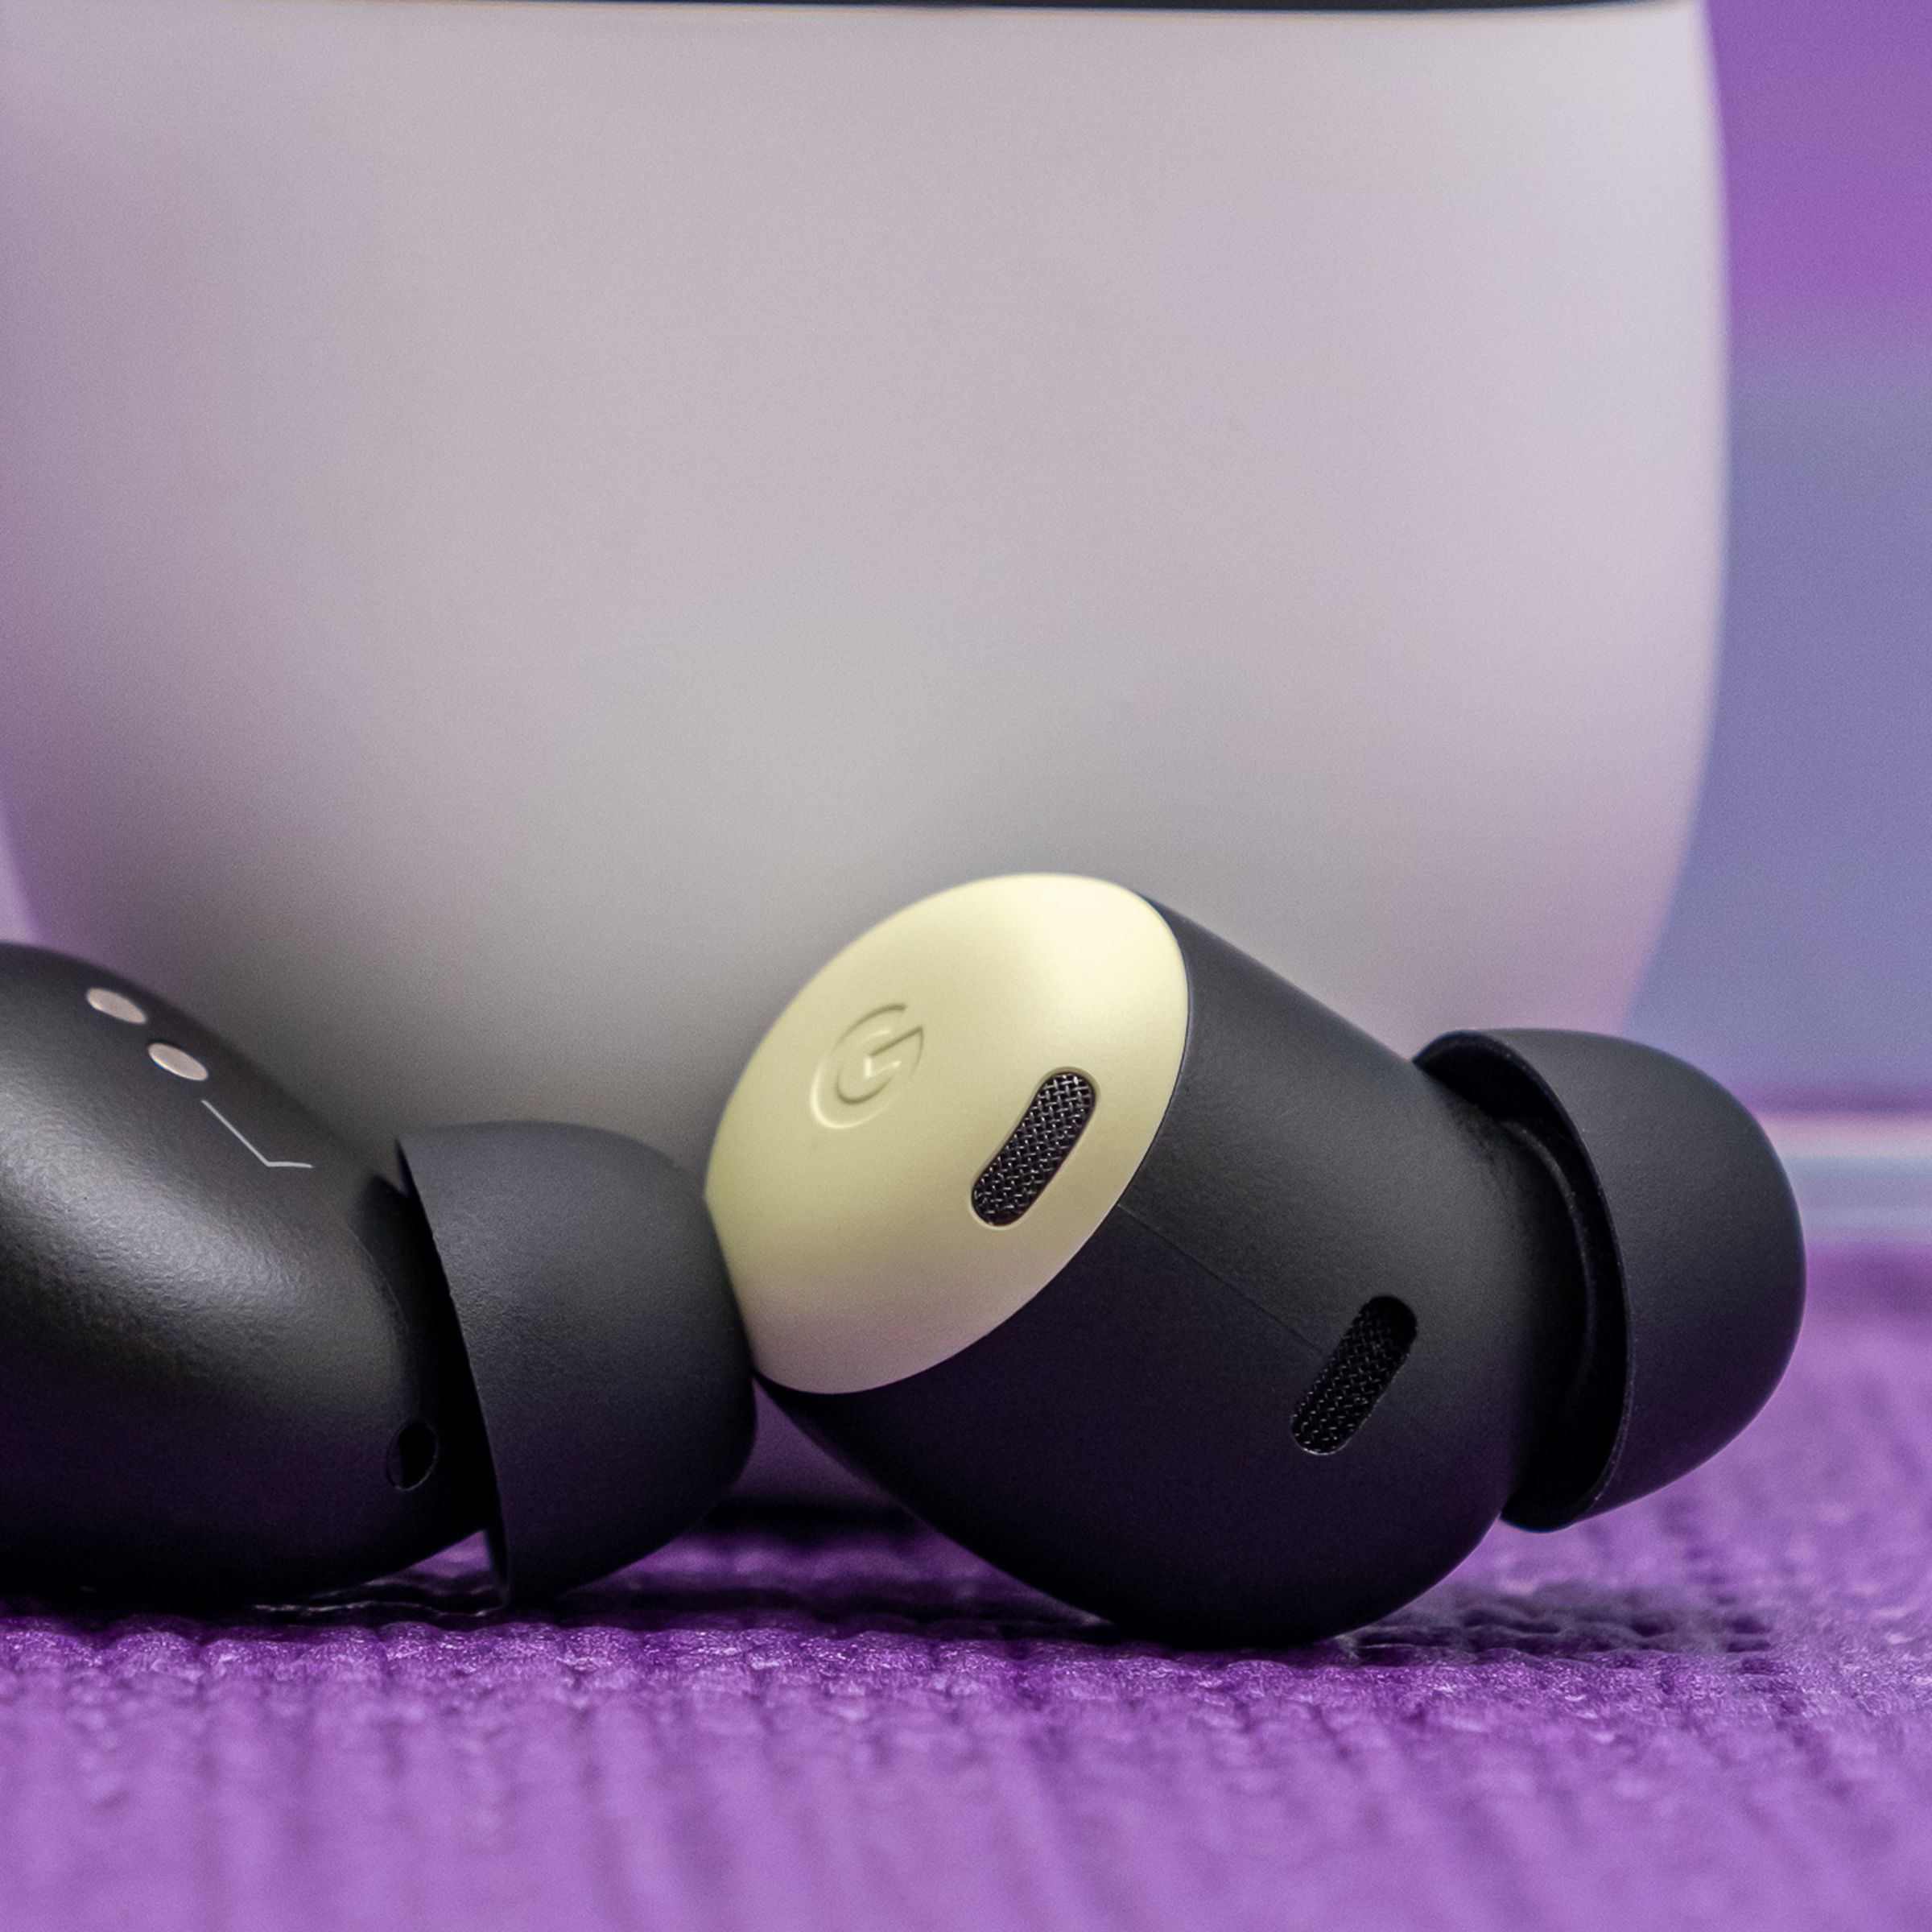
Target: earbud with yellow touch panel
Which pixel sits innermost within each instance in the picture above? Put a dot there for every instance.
(1158, 1284)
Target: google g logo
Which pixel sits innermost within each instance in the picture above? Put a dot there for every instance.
(869, 1064)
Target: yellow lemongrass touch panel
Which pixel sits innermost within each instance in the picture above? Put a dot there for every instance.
(841, 1178)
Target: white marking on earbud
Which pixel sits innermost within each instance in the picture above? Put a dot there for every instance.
(116, 1005)
(248, 1144)
(176, 1060)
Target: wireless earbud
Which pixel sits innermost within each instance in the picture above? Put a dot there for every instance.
(237, 1363)
(1158, 1284)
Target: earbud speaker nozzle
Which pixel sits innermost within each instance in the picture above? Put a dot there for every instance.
(1693, 1263)
(610, 1362)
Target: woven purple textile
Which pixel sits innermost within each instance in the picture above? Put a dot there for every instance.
(1710, 1709)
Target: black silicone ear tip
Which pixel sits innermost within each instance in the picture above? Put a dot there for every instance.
(1692, 1255)
(610, 1362)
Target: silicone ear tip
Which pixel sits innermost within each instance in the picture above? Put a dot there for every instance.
(609, 1362)
(1693, 1260)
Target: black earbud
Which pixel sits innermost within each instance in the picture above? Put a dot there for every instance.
(1157, 1283)
(237, 1363)
(1102, 1247)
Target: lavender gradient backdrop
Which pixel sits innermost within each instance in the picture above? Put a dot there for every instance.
(1797, 963)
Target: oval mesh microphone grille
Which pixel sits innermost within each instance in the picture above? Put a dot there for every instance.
(1036, 1149)
(1354, 1379)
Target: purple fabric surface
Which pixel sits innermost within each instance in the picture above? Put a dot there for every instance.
(1708, 1710)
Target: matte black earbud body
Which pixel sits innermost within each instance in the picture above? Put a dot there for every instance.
(231, 1367)
(228, 1368)
(1128, 1440)
(1346, 1311)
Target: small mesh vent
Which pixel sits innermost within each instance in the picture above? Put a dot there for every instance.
(1354, 1379)
(1017, 1176)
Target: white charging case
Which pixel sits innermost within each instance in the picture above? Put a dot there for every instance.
(524, 525)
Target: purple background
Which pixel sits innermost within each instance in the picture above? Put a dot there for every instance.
(1828, 125)
(1797, 963)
